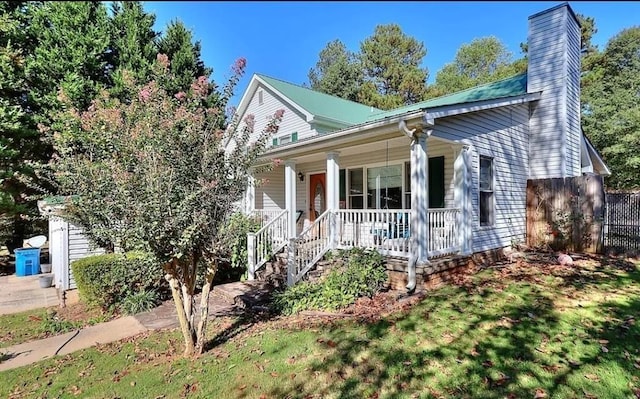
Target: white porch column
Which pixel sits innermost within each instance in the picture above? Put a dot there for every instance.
(420, 196)
(250, 197)
(462, 198)
(333, 195)
(290, 195)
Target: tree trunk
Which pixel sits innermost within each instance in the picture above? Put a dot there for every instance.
(185, 325)
(212, 268)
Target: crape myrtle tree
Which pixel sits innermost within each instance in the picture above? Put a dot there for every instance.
(160, 165)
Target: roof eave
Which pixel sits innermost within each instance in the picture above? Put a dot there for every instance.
(463, 108)
(342, 137)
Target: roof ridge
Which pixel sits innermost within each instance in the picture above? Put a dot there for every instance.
(316, 91)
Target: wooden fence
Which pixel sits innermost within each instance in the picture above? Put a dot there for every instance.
(622, 222)
(566, 213)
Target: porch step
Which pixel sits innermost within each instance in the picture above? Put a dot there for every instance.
(274, 272)
(244, 294)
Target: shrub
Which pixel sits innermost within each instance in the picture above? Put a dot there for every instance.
(234, 233)
(106, 280)
(363, 274)
(139, 302)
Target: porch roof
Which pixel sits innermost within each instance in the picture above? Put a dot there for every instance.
(509, 87)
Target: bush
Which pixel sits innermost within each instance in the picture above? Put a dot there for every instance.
(363, 274)
(140, 302)
(234, 233)
(106, 280)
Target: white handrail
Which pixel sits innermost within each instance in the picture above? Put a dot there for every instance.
(308, 248)
(267, 241)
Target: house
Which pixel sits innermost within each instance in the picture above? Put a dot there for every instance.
(67, 242)
(443, 177)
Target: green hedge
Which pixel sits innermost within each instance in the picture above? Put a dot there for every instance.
(363, 274)
(107, 280)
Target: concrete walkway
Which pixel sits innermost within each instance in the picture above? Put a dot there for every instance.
(227, 300)
(19, 294)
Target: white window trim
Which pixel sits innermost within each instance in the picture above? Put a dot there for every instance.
(493, 189)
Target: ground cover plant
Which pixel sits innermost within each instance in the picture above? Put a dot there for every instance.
(528, 329)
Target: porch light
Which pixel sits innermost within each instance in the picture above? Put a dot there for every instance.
(300, 176)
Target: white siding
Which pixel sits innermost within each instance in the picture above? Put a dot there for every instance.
(270, 189)
(501, 134)
(66, 244)
(79, 247)
(554, 69)
(292, 121)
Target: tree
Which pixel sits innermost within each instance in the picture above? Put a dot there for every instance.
(19, 138)
(611, 107)
(164, 172)
(186, 64)
(482, 61)
(338, 72)
(132, 42)
(391, 64)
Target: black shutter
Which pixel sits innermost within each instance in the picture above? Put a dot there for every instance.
(436, 182)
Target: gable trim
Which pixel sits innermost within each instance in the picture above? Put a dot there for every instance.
(596, 163)
(254, 85)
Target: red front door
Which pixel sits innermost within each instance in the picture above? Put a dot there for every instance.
(317, 203)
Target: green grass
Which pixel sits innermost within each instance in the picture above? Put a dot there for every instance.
(517, 332)
(36, 324)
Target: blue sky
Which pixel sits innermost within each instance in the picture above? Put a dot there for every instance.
(283, 39)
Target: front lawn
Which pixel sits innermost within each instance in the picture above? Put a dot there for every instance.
(36, 324)
(528, 330)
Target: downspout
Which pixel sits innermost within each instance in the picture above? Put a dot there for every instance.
(413, 255)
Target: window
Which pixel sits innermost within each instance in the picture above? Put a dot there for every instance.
(436, 183)
(285, 139)
(384, 187)
(356, 191)
(486, 191)
(260, 99)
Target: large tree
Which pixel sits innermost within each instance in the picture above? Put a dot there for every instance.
(132, 43)
(385, 73)
(338, 72)
(159, 166)
(482, 61)
(186, 63)
(81, 48)
(391, 64)
(611, 107)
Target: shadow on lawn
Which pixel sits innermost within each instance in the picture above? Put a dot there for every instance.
(473, 342)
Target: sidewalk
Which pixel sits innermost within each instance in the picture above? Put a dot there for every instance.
(161, 317)
(18, 294)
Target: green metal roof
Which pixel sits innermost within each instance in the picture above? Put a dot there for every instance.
(510, 87)
(323, 105)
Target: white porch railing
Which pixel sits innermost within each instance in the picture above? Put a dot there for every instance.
(444, 237)
(308, 248)
(386, 230)
(265, 215)
(267, 241)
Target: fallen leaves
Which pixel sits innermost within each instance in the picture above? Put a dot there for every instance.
(540, 393)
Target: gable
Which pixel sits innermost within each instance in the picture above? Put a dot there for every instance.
(263, 103)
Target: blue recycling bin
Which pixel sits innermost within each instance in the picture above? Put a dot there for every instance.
(27, 261)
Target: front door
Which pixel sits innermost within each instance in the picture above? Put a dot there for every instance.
(317, 203)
